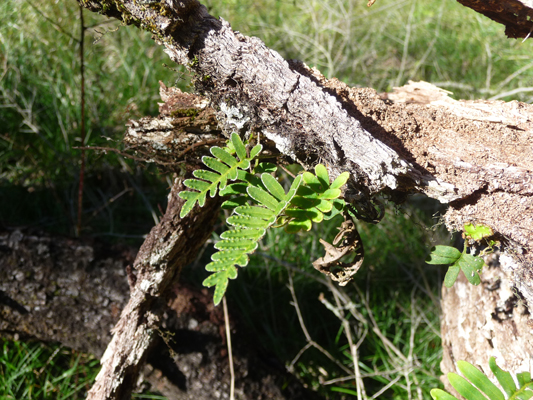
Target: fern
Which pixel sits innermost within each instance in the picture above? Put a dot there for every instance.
(258, 202)
(479, 384)
(225, 167)
(315, 201)
(249, 225)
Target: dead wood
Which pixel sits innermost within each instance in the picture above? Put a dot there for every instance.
(473, 155)
(489, 320)
(170, 245)
(515, 15)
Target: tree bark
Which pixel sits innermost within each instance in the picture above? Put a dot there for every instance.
(515, 15)
(473, 155)
(489, 320)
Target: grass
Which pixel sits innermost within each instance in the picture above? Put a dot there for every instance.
(391, 311)
(40, 111)
(30, 370)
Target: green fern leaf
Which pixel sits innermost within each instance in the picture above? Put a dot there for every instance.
(340, 181)
(439, 394)
(224, 156)
(254, 234)
(322, 175)
(523, 378)
(483, 384)
(246, 244)
(225, 167)
(504, 378)
(465, 388)
(314, 199)
(255, 212)
(267, 167)
(249, 224)
(263, 197)
(480, 380)
(242, 221)
(220, 281)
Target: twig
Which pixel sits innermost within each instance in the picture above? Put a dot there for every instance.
(52, 22)
(310, 341)
(230, 353)
(376, 395)
(348, 333)
(115, 151)
(197, 144)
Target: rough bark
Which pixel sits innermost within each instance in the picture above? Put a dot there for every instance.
(72, 290)
(170, 245)
(515, 15)
(473, 155)
(489, 320)
(479, 149)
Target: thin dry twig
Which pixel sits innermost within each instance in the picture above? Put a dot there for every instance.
(310, 341)
(230, 352)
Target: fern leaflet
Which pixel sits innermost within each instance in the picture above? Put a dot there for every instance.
(479, 384)
(225, 167)
(248, 226)
(259, 202)
(315, 201)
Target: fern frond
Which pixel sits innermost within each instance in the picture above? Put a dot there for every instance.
(225, 167)
(478, 384)
(248, 226)
(314, 200)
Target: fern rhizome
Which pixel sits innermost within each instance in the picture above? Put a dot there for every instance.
(259, 202)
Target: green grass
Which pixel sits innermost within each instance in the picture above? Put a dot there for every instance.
(40, 101)
(393, 305)
(31, 370)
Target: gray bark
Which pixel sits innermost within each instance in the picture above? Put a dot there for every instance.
(170, 245)
(473, 155)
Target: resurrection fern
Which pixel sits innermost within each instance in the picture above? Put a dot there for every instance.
(479, 384)
(224, 167)
(258, 202)
(249, 225)
(315, 201)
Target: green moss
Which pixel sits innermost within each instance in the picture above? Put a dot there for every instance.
(185, 112)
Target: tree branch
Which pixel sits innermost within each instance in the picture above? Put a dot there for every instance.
(170, 245)
(474, 155)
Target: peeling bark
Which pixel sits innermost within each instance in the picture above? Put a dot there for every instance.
(473, 155)
(491, 319)
(170, 245)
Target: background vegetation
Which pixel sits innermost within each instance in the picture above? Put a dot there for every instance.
(390, 312)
